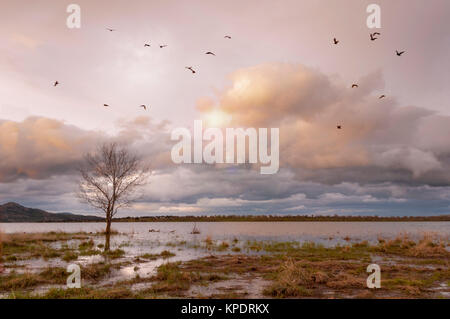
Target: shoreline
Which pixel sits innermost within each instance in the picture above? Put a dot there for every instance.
(214, 219)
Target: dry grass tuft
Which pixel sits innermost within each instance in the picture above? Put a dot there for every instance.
(294, 280)
(344, 280)
(429, 246)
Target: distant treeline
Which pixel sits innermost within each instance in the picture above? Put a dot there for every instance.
(272, 218)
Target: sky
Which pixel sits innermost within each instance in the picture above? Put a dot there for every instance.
(279, 69)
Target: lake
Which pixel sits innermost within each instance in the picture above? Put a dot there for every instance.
(138, 239)
(327, 233)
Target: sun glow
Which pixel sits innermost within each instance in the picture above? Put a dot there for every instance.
(217, 118)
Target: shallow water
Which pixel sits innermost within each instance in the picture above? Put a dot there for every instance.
(136, 239)
(319, 232)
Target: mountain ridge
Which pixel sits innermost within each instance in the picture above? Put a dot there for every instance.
(12, 212)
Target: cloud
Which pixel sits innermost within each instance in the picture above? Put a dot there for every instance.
(379, 139)
(39, 148)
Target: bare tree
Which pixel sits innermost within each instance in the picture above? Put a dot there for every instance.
(110, 177)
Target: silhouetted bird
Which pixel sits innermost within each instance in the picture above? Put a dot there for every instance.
(190, 68)
(146, 45)
(56, 83)
(372, 37)
(111, 30)
(144, 107)
(382, 96)
(339, 127)
(399, 53)
(354, 86)
(335, 41)
(163, 46)
(227, 37)
(105, 105)
(209, 52)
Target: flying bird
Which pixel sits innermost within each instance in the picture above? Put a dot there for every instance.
(339, 127)
(190, 68)
(354, 86)
(209, 52)
(382, 96)
(335, 41)
(144, 107)
(163, 46)
(105, 105)
(227, 37)
(56, 83)
(146, 45)
(372, 36)
(399, 53)
(110, 30)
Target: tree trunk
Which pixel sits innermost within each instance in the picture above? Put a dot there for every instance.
(107, 233)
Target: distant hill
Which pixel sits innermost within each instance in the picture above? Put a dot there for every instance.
(15, 213)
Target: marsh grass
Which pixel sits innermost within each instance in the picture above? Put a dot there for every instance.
(171, 279)
(292, 281)
(23, 246)
(410, 268)
(86, 245)
(114, 254)
(52, 275)
(1, 251)
(428, 246)
(97, 271)
(164, 254)
(87, 293)
(70, 256)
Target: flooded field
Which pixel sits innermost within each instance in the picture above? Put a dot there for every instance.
(226, 259)
(319, 232)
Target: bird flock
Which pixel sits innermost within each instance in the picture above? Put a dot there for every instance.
(373, 37)
(161, 46)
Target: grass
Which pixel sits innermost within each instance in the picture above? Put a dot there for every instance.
(410, 268)
(1, 251)
(70, 256)
(114, 254)
(171, 279)
(164, 254)
(291, 281)
(14, 281)
(97, 271)
(86, 245)
(55, 275)
(174, 279)
(426, 247)
(23, 246)
(81, 293)
(51, 275)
